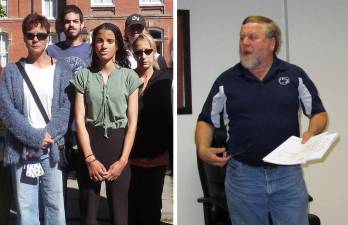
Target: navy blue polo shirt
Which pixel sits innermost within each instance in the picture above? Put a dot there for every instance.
(260, 115)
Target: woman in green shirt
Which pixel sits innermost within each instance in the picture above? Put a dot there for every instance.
(106, 111)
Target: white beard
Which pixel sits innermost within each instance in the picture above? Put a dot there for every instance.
(251, 63)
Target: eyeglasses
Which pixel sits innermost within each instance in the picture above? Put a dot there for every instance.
(140, 52)
(39, 36)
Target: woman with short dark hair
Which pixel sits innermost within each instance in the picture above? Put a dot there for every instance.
(31, 145)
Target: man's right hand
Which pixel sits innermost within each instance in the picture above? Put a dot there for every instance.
(204, 137)
(209, 155)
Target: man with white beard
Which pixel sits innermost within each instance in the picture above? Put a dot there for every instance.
(260, 98)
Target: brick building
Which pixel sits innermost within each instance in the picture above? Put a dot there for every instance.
(158, 14)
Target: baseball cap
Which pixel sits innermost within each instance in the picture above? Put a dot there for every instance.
(135, 19)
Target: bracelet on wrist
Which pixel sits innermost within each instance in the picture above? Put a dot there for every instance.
(89, 156)
(90, 161)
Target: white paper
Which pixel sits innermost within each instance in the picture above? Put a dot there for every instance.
(292, 152)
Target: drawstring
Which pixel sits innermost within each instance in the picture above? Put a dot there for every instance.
(106, 132)
(105, 108)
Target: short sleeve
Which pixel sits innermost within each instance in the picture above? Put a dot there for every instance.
(133, 81)
(80, 80)
(213, 105)
(308, 94)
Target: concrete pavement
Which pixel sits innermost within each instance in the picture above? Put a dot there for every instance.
(73, 206)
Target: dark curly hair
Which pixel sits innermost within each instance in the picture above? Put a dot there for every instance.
(121, 53)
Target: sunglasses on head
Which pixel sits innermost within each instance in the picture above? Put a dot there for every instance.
(39, 36)
(140, 52)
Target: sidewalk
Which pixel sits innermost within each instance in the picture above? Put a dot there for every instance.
(73, 206)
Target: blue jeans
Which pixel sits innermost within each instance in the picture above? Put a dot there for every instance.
(254, 192)
(28, 191)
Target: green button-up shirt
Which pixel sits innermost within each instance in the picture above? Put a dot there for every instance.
(106, 104)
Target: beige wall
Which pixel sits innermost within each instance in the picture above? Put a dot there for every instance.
(317, 33)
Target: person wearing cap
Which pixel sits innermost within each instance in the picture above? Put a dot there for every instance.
(260, 98)
(135, 24)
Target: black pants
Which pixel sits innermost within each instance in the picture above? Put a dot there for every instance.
(5, 193)
(74, 164)
(107, 151)
(145, 195)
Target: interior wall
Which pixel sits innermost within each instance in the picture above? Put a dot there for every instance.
(317, 34)
(317, 42)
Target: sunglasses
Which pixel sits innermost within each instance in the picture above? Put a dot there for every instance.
(39, 36)
(140, 52)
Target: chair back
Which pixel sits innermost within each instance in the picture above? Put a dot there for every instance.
(212, 178)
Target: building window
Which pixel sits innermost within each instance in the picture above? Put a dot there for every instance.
(3, 49)
(85, 35)
(4, 5)
(150, 2)
(49, 8)
(157, 35)
(102, 2)
(53, 38)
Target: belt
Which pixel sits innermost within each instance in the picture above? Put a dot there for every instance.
(264, 166)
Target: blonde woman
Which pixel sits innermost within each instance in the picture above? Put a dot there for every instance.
(154, 137)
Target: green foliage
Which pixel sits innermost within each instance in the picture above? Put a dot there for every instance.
(2, 11)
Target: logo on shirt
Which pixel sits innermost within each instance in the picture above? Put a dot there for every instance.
(76, 63)
(284, 80)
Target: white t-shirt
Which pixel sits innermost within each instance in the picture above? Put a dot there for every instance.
(42, 80)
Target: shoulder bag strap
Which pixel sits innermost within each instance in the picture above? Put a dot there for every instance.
(33, 92)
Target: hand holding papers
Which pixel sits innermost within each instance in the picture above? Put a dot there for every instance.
(292, 152)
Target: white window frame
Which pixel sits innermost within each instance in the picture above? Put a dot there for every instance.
(161, 40)
(53, 38)
(52, 8)
(61, 36)
(150, 2)
(4, 40)
(89, 38)
(4, 4)
(102, 4)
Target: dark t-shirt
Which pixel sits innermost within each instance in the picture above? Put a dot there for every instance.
(78, 57)
(154, 133)
(260, 115)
